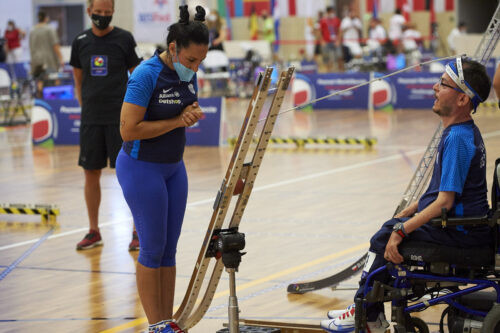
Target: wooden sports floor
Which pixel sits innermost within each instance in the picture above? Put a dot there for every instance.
(311, 213)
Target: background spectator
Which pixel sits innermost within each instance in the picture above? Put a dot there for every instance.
(329, 26)
(217, 30)
(350, 30)
(376, 37)
(396, 24)
(13, 36)
(457, 31)
(411, 40)
(267, 33)
(45, 51)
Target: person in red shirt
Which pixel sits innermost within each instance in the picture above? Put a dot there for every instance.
(13, 36)
(331, 47)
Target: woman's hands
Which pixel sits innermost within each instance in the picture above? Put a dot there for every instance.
(191, 114)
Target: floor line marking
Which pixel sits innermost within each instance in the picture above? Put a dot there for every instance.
(23, 256)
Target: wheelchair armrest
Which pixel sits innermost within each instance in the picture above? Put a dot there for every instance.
(446, 221)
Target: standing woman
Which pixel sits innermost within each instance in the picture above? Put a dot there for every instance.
(13, 36)
(161, 100)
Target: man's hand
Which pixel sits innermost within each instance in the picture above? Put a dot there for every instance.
(391, 249)
(191, 114)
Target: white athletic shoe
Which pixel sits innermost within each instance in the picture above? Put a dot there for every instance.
(332, 314)
(345, 323)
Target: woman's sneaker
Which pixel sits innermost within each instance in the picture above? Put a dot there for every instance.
(175, 328)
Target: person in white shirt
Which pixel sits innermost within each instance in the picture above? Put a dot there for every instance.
(351, 33)
(376, 37)
(460, 30)
(396, 24)
(411, 38)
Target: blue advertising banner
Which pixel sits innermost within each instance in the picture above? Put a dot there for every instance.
(307, 87)
(326, 84)
(207, 131)
(414, 90)
(410, 90)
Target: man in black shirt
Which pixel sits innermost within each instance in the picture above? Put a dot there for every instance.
(101, 58)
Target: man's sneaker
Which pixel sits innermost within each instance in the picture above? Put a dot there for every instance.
(332, 314)
(92, 239)
(134, 243)
(343, 323)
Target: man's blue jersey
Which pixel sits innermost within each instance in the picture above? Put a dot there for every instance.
(157, 87)
(460, 167)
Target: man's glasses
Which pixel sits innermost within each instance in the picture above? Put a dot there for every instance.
(442, 84)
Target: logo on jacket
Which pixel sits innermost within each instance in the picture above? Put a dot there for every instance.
(191, 89)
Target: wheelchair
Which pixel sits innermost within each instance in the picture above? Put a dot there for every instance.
(467, 280)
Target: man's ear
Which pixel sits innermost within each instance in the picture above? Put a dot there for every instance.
(463, 100)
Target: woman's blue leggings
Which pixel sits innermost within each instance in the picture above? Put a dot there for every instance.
(156, 194)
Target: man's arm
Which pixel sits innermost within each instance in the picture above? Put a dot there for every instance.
(77, 75)
(443, 200)
(57, 51)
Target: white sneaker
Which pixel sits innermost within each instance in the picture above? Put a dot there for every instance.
(332, 314)
(343, 323)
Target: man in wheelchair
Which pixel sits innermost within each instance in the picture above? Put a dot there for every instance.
(414, 259)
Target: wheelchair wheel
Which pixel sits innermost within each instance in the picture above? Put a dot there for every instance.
(419, 326)
(491, 322)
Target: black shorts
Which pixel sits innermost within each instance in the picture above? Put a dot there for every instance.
(97, 144)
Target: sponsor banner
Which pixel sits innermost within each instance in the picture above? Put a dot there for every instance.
(307, 87)
(56, 120)
(207, 131)
(327, 84)
(414, 90)
(152, 18)
(411, 90)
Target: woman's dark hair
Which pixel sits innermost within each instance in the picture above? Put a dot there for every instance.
(476, 76)
(185, 31)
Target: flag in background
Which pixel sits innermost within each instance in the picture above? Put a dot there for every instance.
(225, 13)
(254, 26)
(258, 5)
(375, 9)
(407, 6)
(276, 16)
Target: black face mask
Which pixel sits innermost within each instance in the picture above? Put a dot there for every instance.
(101, 22)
